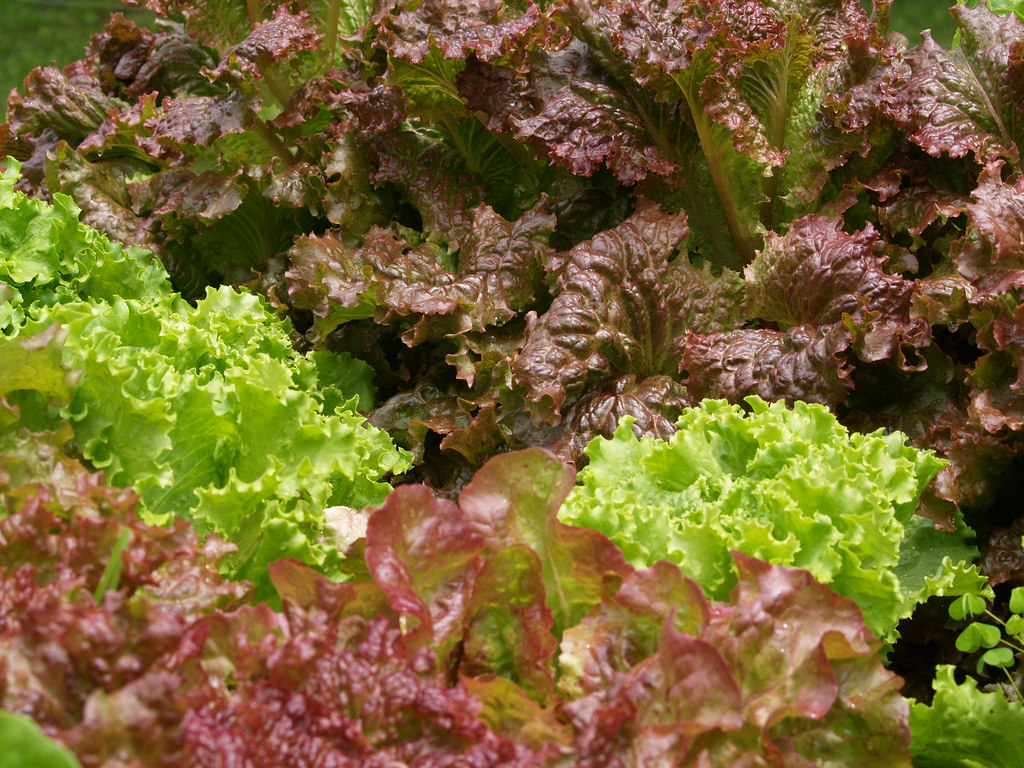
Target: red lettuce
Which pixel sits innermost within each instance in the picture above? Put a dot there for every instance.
(483, 631)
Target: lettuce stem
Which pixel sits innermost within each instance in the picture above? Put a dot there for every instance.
(272, 140)
(331, 33)
(716, 168)
(112, 572)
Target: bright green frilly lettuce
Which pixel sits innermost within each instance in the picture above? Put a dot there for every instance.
(790, 486)
(965, 727)
(206, 410)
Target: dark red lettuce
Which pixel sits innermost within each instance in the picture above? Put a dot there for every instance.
(745, 120)
(624, 302)
(969, 99)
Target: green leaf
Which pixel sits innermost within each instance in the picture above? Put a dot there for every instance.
(965, 728)
(790, 486)
(935, 562)
(36, 364)
(978, 635)
(431, 85)
(206, 410)
(1015, 626)
(998, 657)
(1017, 600)
(967, 605)
(24, 745)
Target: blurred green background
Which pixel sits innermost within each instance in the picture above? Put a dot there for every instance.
(36, 32)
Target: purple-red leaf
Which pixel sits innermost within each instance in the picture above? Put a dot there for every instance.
(458, 29)
(277, 38)
(970, 99)
(514, 500)
(623, 308)
(803, 363)
(423, 553)
(386, 279)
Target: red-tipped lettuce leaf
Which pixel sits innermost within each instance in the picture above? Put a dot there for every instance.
(968, 100)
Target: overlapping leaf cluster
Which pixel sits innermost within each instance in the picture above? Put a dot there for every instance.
(483, 631)
(529, 221)
(533, 221)
(207, 411)
(479, 189)
(790, 486)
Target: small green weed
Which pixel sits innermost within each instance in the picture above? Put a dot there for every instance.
(1004, 639)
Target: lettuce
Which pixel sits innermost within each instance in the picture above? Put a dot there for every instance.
(206, 410)
(965, 727)
(123, 642)
(790, 486)
(25, 745)
(592, 662)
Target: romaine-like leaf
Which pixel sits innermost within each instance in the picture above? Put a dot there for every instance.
(992, 256)
(486, 29)
(623, 306)
(832, 269)
(267, 44)
(752, 115)
(137, 61)
(967, 100)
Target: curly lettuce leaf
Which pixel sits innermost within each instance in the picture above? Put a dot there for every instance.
(209, 414)
(207, 410)
(47, 256)
(966, 727)
(969, 99)
(790, 486)
(490, 279)
(167, 665)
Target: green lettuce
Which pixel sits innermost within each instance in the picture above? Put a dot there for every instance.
(25, 745)
(47, 257)
(965, 727)
(206, 410)
(790, 486)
